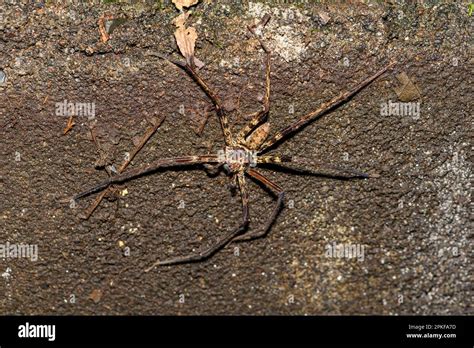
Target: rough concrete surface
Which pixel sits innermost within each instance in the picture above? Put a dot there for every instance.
(411, 226)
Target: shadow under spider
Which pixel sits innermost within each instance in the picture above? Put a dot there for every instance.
(244, 152)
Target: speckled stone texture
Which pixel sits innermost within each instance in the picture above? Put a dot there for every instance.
(411, 225)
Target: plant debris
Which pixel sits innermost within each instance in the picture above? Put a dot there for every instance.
(104, 35)
(407, 91)
(96, 295)
(186, 40)
(70, 124)
(184, 3)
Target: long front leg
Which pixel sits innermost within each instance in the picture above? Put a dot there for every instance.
(191, 70)
(163, 163)
(221, 242)
(321, 110)
(281, 195)
(224, 121)
(309, 166)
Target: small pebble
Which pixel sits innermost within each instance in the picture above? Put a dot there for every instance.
(3, 77)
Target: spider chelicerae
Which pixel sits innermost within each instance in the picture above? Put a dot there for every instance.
(243, 153)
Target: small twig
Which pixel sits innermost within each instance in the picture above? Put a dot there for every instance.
(150, 131)
(169, 59)
(70, 124)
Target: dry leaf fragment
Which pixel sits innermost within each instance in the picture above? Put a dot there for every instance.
(407, 91)
(181, 19)
(184, 3)
(186, 40)
(96, 295)
(104, 36)
(324, 17)
(70, 124)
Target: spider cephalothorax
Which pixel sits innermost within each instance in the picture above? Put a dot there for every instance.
(243, 153)
(237, 159)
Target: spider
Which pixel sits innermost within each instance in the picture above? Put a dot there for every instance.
(244, 152)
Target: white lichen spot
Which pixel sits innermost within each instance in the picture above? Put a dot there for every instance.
(285, 32)
(7, 274)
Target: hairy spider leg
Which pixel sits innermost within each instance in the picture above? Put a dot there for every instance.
(310, 166)
(224, 121)
(222, 242)
(294, 127)
(278, 205)
(162, 163)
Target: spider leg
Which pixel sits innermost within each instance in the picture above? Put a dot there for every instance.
(215, 100)
(259, 116)
(281, 195)
(309, 166)
(292, 128)
(162, 163)
(222, 241)
(224, 121)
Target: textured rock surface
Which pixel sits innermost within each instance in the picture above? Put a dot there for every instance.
(412, 222)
